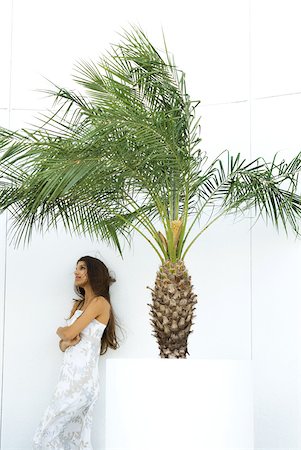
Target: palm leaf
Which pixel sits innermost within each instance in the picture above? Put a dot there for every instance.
(122, 153)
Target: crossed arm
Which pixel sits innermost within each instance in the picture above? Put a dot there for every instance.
(64, 345)
(95, 308)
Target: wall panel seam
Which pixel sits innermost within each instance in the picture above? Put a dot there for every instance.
(6, 224)
(250, 149)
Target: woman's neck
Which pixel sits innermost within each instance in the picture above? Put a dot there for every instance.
(89, 295)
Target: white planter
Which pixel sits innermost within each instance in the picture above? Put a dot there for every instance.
(173, 404)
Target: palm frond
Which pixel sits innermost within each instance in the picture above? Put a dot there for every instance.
(123, 152)
(236, 186)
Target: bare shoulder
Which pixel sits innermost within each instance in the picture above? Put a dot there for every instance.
(102, 302)
(104, 309)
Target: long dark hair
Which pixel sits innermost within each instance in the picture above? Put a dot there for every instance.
(100, 281)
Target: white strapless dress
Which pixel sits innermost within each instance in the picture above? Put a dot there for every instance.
(66, 424)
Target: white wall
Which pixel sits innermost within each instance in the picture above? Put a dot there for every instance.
(242, 61)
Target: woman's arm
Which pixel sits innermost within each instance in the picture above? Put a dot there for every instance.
(62, 330)
(95, 308)
(64, 344)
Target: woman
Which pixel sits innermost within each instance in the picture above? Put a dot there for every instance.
(66, 423)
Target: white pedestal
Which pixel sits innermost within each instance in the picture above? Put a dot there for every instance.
(178, 404)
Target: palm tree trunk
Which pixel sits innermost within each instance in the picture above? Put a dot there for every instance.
(172, 309)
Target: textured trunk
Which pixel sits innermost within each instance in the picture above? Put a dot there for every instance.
(172, 309)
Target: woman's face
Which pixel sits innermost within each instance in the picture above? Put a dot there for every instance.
(81, 274)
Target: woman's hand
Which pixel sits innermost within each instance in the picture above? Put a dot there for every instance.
(61, 331)
(64, 344)
(73, 341)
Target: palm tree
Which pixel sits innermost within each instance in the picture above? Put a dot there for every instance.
(122, 155)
